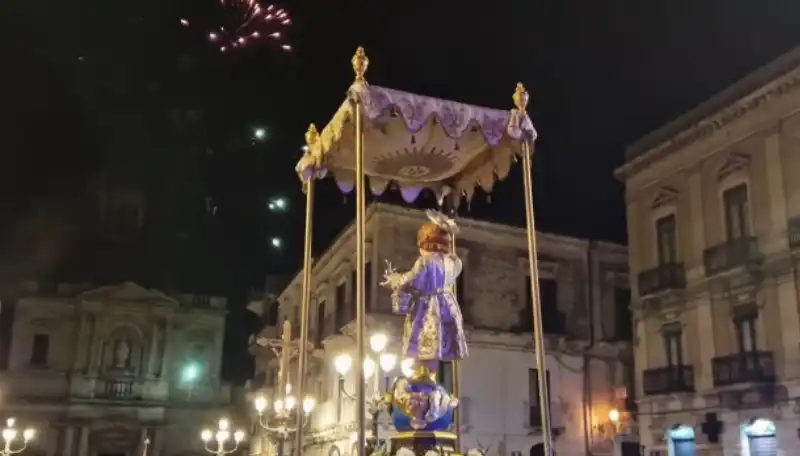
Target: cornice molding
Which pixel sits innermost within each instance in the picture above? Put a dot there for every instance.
(474, 230)
(736, 111)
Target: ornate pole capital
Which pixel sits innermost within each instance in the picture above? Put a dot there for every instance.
(360, 63)
(312, 135)
(520, 97)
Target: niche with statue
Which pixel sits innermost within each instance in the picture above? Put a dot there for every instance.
(123, 352)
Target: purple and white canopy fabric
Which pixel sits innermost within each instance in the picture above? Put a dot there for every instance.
(418, 142)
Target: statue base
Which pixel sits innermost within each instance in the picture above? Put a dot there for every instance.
(421, 442)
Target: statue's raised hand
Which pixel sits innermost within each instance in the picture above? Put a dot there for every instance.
(390, 276)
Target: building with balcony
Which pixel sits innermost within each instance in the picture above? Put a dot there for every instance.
(96, 371)
(713, 205)
(585, 308)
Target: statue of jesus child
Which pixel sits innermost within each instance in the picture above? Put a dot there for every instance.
(434, 327)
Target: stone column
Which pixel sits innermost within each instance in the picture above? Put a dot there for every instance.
(695, 271)
(156, 442)
(166, 346)
(641, 352)
(778, 241)
(152, 365)
(69, 441)
(82, 354)
(53, 443)
(83, 441)
(95, 349)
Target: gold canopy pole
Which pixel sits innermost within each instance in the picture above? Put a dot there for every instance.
(308, 186)
(521, 102)
(456, 369)
(360, 63)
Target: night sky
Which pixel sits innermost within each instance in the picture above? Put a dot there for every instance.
(84, 81)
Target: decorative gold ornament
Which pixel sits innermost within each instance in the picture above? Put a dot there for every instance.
(312, 135)
(360, 63)
(423, 374)
(520, 97)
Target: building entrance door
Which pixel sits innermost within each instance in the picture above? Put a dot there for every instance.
(765, 445)
(683, 447)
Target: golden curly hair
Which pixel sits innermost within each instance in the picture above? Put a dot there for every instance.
(432, 238)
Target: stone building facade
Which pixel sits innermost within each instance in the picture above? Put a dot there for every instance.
(713, 205)
(585, 302)
(96, 371)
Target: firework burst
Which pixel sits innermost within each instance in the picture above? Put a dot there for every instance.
(243, 23)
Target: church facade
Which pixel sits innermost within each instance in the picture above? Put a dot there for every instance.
(97, 371)
(713, 205)
(585, 300)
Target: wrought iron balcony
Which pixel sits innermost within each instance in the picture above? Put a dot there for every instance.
(731, 254)
(669, 276)
(794, 232)
(670, 379)
(747, 367)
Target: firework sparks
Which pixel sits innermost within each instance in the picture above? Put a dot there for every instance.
(245, 23)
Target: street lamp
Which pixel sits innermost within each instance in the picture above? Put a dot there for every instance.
(222, 438)
(278, 423)
(11, 438)
(387, 362)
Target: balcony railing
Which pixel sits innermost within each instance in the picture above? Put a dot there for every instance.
(670, 276)
(794, 232)
(731, 254)
(748, 367)
(119, 388)
(670, 379)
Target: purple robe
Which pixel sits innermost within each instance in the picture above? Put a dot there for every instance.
(434, 327)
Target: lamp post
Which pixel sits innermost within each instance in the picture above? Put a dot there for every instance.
(278, 424)
(13, 444)
(387, 362)
(224, 444)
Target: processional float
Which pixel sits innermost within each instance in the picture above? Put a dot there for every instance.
(381, 137)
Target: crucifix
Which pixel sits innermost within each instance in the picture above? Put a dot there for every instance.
(284, 349)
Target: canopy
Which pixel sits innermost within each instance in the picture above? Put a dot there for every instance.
(418, 142)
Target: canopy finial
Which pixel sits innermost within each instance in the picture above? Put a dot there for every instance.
(311, 135)
(360, 63)
(520, 97)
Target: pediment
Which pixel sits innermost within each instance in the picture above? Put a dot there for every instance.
(664, 196)
(735, 163)
(127, 292)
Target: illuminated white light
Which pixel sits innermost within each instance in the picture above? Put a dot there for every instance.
(342, 363)
(308, 404)
(369, 368)
(378, 342)
(388, 361)
(260, 404)
(407, 367)
(760, 428)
